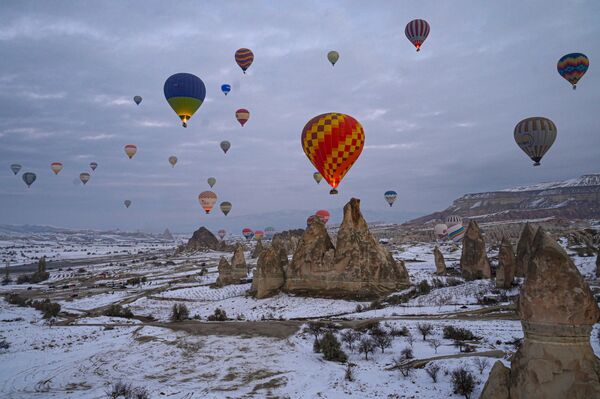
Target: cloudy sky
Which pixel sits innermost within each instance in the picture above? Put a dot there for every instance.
(438, 123)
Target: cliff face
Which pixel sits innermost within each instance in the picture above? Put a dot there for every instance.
(577, 198)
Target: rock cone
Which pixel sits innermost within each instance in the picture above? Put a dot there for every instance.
(269, 276)
(440, 264)
(235, 272)
(257, 249)
(505, 273)
(203, 240)
(524, 248)
(474, 262)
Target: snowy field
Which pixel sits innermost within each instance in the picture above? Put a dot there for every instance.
(261, 352)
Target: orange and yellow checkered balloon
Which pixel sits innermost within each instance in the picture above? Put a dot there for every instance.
(333, 142)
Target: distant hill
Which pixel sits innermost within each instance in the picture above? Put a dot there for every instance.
(577, 198)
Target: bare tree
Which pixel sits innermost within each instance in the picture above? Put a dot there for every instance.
(383, 340)
(315, 328)
(481, 363)
(435, 343)
(403, 366)
(425, 329)
(366, 346)
(410, 339)
(349, 338)
(432, 370)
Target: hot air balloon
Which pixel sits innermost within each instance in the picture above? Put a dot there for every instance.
(323, 215)
(93, 165)
(130, 150)
(137, 99)
(173, 160)
(222, 233)
(127, 203)
(244, 58)
(225, 145)
(333, 57)
(317, 176)
(269, 232)
(225, 207)
(390, 197)
(29, 178)
(535, 136)
(84, 177)
(453, 220)
(207, 200)
(56, 167)
(247, 233)
(310, 220)
(242, 115)
(441, 231)
(225, 88)
(185, 93)
(258, 234)
(572, 67)
(211, 181)
(333, 142)
(456, 233)
(417, 31)
(15, 167)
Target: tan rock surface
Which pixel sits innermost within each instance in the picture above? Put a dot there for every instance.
(505, 273)
(524, 248)
(474, 262)
(440, 264)
(497, 384)
(269, 276)
(234, 272)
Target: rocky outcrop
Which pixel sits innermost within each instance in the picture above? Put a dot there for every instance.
(440, 264)
(557, 312)
(497, 384)
(598, 264)
(474, 262)
(524, 249)
(234, 272)
(288, 239)
(269, 276)
(203, 240)
(505, 273)
(357, 267)
(167, 235)
(258, 248)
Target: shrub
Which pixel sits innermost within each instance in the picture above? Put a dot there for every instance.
(349, 374)
(315, 328)
(359, 308)
(49, 309)
(376, 304)
(407, 353)
(119, 389)
(219, 315)
(118, 311)
(16, 299)
(432, 371)
(463, 382)
(366, 345)
(453, 281)
(6, 280)
(4, 344)
(399, 332)
(425, 329)
(180, 312)
(39, 277)
(458, 334)
(23, 279)
(331, 348)
(437, 282)
(424, 288)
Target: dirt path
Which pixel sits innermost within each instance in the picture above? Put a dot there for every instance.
(420, 363)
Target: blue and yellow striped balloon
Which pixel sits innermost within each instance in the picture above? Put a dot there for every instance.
(185, 93)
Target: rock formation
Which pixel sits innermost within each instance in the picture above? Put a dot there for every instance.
(258, 248)
(524, 250)
(269, 276)
(167, 235)
(288, 239)
(236, 271)
(358, 267)
(598, 264)
(498, 382)
(557, 312)
(505, 273)
(474, 262)
(440, 264)
(203, 240)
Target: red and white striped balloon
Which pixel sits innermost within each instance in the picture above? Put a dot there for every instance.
(417, 31)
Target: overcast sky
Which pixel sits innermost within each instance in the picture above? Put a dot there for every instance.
(438, 123)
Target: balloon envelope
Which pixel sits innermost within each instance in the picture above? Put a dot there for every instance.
(572, 67)
(244, 58)
(269, 232)
(453, 220)
(456, 233)
(222, 234)
(333, 142)
(247, 233)
(242, 115)
(441, 231)
(15, 167)
(417, 31)
(93, 165)
(29, 178)
(258, 234)
(225, 88)
(390, 196)
(317, 176)
(225, 207)
(56, 167)
(211, 181)
(137, 99)
(130, 150)
(127, 203)
(207, 200)
(225, 145)
(173, 160)
(84, 177)
(333, 57)
(310, 219)
(323, 215)
(535, 136)
(184, 93)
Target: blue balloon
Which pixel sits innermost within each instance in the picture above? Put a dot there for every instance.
(225, 88)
